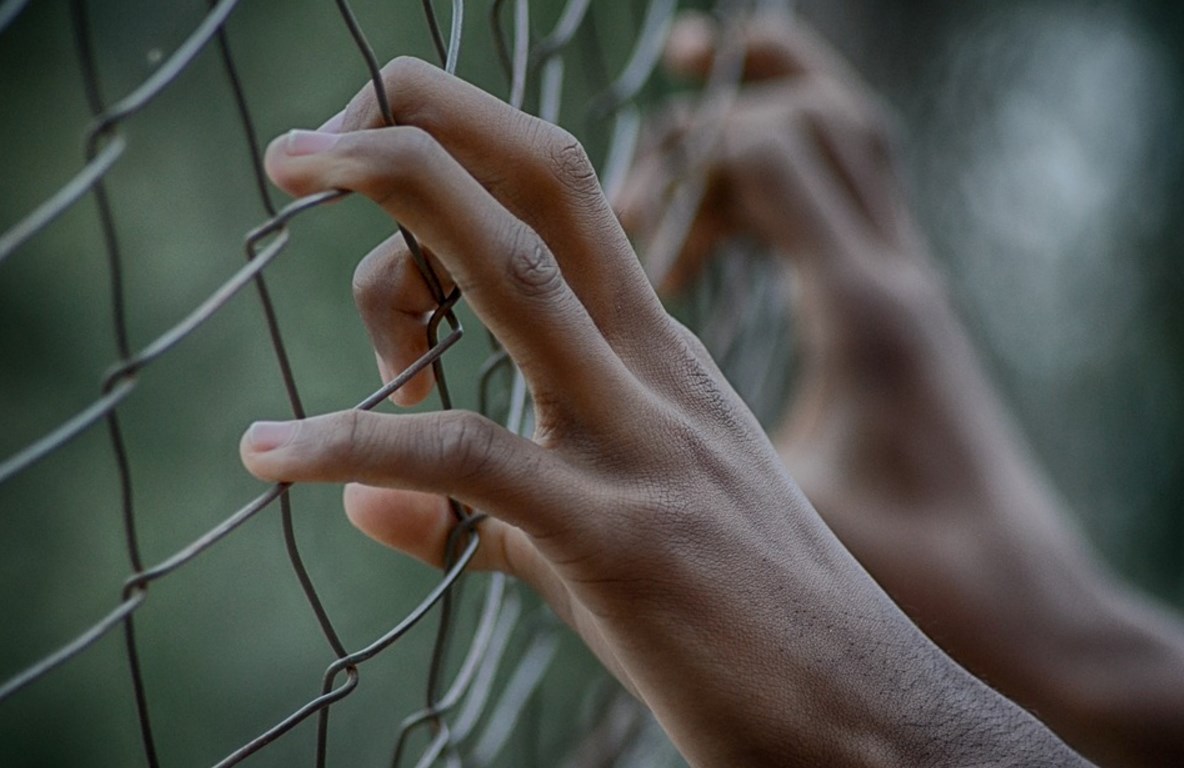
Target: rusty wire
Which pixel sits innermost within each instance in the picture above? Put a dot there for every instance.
(454, 711)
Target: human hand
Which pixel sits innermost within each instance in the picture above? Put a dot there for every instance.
(606, 510)
(893, 431)
(800, 159)
(648, 508)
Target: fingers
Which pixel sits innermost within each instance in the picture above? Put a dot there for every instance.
(395, 304)
(644, 203)
(775, 46)
(800, 164)
(415, 523)
(791, 195)
(453, 453)
(767, 177)
(537, 171)
(853, 149)
(421, 524)
(696, 176)
(507, 273)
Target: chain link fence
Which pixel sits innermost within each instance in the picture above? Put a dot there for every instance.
(480, 666)
(159, 606)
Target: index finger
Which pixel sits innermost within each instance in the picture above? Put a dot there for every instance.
(509, 277)
(536, 170)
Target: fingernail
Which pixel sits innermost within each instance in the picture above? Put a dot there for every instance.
(268, 435)
(333, 124)
(309, 142)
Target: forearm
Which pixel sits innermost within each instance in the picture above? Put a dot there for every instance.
(1030, 607)
(939, 498)
(1113, 682)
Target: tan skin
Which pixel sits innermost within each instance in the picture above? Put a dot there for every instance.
(649, 508)
(895, 434)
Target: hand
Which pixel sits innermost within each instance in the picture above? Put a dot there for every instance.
(648, 509)
(894, 433)
(801, 158)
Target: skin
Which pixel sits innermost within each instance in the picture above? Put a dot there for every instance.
(649, 509)
(894, 433)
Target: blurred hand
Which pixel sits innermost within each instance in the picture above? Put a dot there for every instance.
(893, 431)
(648, 509)
(800, 160)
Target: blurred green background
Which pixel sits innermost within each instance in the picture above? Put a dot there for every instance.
(1041, 141)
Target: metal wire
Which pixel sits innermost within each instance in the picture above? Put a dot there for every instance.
(465, 715)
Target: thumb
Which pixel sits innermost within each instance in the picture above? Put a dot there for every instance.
(453, 453)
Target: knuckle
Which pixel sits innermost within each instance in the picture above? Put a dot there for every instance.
(404, 68)
(404, 159)
(345, 440)
(408, 82)
(413, 148)
(404, 73)
(567, 162)
(554, 174)
(465, 444)
(531, 268)
(367, 286)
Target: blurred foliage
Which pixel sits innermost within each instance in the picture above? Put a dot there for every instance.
(229, 645)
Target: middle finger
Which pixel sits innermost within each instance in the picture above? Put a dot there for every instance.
(505, 270)
(537, 171)
(396, 306)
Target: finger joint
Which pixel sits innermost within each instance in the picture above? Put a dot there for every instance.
(531, 268)
(466, 444)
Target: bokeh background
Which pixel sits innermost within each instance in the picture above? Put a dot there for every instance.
(1042, 144)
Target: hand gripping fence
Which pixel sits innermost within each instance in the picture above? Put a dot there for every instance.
(467, 721)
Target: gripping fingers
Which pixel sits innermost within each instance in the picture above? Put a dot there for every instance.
(418, 524)
(421, 524)
(507, 273)
(395, 304)
(536, 170)
(454, 453)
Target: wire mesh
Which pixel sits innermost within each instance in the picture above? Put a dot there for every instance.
(470, 714)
